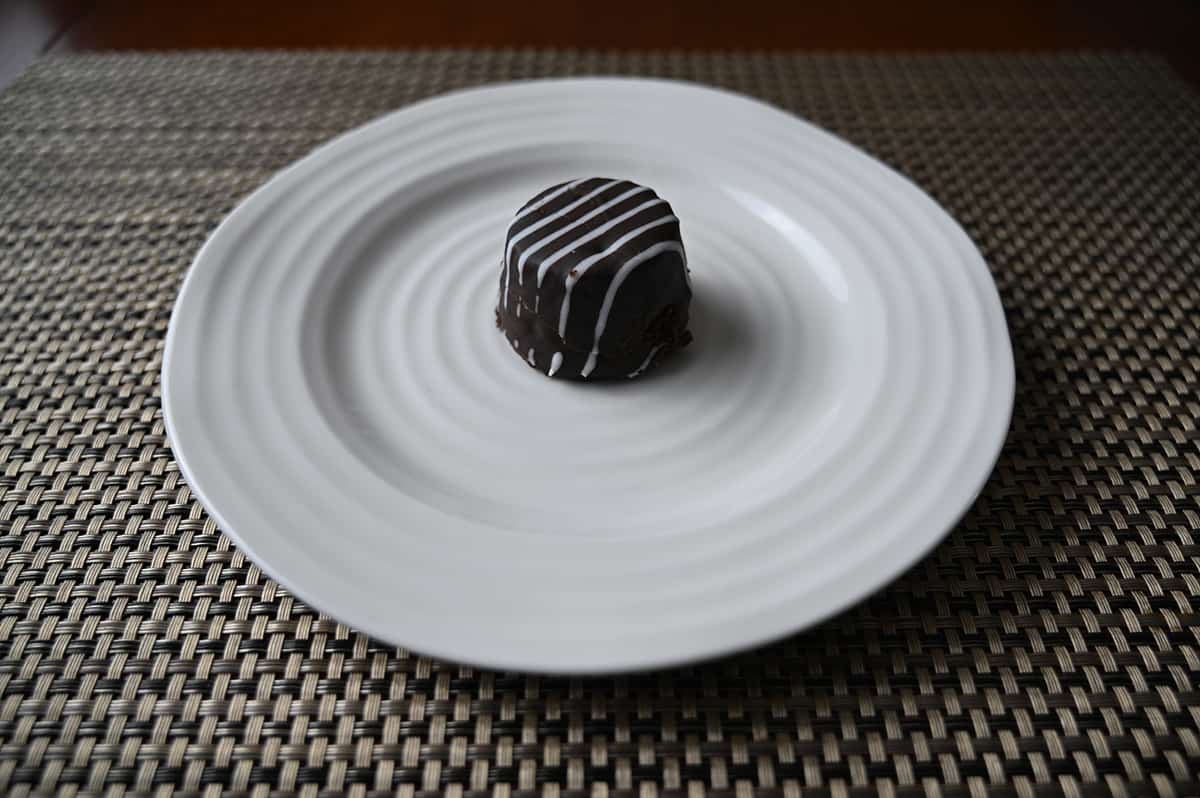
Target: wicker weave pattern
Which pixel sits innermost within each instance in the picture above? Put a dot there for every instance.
(1048, 647)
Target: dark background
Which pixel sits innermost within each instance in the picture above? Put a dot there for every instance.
(32, 27)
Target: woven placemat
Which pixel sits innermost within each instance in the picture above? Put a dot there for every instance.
(1048, 647)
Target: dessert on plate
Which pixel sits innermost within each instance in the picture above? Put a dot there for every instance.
(594, 281)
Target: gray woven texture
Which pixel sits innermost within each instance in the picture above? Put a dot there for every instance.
(1048, 646)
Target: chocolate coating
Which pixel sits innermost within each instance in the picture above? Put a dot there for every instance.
(594, 281)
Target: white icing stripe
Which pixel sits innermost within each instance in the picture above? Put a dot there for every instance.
(504, 284)
(547, 199)
(645, 363)
(533, 228)
(555, 364)
(587, 263)
(545, 265)
(589, 365)
(529, 357)
(618, 278)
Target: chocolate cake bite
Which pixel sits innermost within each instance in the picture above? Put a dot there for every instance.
(594, 281)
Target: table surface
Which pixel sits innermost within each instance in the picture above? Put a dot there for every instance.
(1050, 646)
(1168, 27)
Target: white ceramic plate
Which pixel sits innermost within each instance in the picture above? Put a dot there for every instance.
(339, 397)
